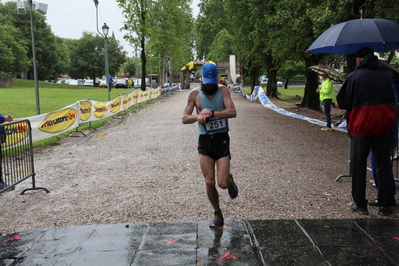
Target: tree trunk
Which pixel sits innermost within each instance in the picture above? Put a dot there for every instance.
(351, 63)
(272, 84)
(161, 74)
(286, 83)
(253, 81)
(5, 82)
(143, 66)
(311, 98)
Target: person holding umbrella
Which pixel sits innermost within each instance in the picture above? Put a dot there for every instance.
(393, 134)
(369, 100)
(326, 94)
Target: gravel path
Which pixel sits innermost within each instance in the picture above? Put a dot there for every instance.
(145, 168)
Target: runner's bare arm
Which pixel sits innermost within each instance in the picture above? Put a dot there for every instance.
(230, 111)
(188, 118)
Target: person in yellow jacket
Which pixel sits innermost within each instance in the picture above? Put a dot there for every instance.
(326, 95)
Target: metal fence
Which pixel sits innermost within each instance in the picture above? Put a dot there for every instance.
(16, 155)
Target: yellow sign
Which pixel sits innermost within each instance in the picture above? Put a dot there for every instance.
(116, 105)
(58, 121)
(135, 96)
(143, 96)
(127, 101)
(15, 133)
(85, 110)
(100, 109)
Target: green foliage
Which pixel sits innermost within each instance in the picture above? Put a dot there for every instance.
(87, 56)
(13, 57)
(395, 63)
(210, 21)
(20, 101)
(46, 55)
(163, 26)
(290, 68)
(171, 32)
(137, 15)
(63, 53)
(130, 68)
(221, 47)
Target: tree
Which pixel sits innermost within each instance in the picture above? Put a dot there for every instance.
(289, 69)
(13, 59)
(255, 40)
(87, 56)
(63, 56)
(129, 68)
(44, 39)
(137, 14)
(13, 56)
(211, 19)
(171, 34)
(221, 47)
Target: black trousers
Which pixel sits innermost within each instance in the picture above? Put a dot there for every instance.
(1, 164)
(359, 151)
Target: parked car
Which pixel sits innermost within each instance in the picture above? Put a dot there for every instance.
(121, 83)
(73, 82)
(62, 81)
(263, 82)
(103, 83)
(136, 82)
(88, 82)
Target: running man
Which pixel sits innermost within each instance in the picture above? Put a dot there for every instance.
(214, 107)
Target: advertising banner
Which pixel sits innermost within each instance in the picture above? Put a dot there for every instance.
(258, 93)
(84, 111)
(54, 123)
(233, 71)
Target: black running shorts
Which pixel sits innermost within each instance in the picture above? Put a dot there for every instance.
(215, 146)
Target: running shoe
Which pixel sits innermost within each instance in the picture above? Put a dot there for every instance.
(359, 210)
(326, 129)
(233, 189)
(375, 203)
(218, 220)
(384, 211)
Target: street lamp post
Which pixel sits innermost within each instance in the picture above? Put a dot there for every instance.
(104, 34)
(21, 10)
(105, 29)
(34, 60)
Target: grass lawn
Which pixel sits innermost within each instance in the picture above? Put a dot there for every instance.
(289, 95)
(20, 101)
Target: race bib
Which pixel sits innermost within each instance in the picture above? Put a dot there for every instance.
(216, 124)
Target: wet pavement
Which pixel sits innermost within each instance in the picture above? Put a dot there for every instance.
(263, 242)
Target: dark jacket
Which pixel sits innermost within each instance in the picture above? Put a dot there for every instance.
(2, 130)
(369, 99)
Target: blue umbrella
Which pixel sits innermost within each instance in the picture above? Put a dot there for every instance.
(381, 35)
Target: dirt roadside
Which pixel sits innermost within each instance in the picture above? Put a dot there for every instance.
(144, 168)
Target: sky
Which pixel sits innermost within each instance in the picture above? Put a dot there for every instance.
(69, 19)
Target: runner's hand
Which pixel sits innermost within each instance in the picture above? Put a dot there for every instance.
(202, 117)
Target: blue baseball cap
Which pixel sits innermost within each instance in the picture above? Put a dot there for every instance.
(209, 73)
